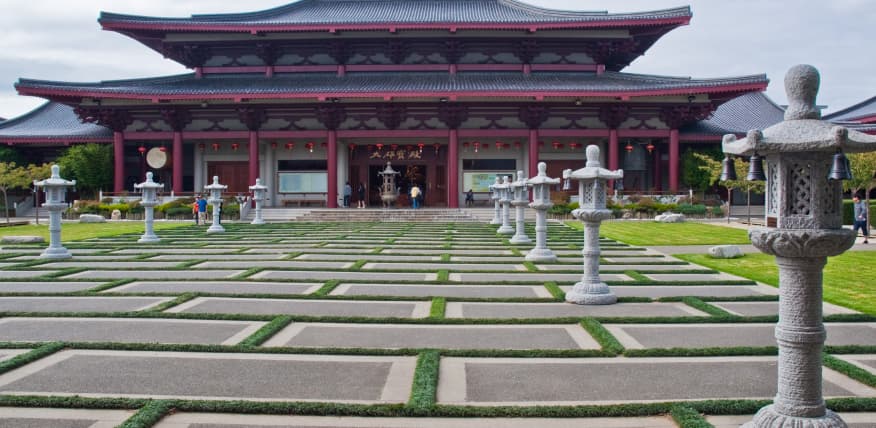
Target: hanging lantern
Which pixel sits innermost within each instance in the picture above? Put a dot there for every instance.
(216, 147)
(352, 147)
(477, 146)
(235, 146)
(499, 145)
(162, 148)
(142, 150)
(541, 144)
(629, 147)
(290, 145)
(370, 148)
(436, 146)
(379, 146)
(323, 145)
(201, 147)
(309, 147)
(575, 146)
(517, 145)
(650, 147)
(557, 145)
(506, 145)
(420, 147)
(394, 147)
(465, 146)
(274, 145)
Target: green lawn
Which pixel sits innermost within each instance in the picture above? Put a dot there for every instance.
(78, 231)
(848, 278)
(652, 233)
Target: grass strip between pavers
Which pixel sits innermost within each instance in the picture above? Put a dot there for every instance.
(19, 360)
(438, 308)
(425, 386)
(267, 331)
(687, 417)
(182, 298)
(149, 414)
(712, 310)
(849, 370)
(555, 290)
(326, 288)
(606, 340)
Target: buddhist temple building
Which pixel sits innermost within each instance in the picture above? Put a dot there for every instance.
(318, 93)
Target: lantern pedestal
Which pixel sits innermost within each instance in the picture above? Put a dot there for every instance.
(591, 290)
(505, 200)
(149, 235)
(258, 195)
(55, 250)
(495, 197)
(521, 200)
(149, 188)
(215, 190)
(541, 202)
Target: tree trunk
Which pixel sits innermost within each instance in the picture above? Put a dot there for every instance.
(5, 204)
(748, 202)
(729, 202)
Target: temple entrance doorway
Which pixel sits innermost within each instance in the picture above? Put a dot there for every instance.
(233, 174)
(423, 175)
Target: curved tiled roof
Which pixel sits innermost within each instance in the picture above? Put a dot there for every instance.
(315, 12)
(864, 109)
(305, 85)
(739, 115)
(52, 121)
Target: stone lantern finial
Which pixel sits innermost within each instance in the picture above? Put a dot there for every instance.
(149, 176)
(56, 171)
(593, 156)
(801, 87)
(542, 169)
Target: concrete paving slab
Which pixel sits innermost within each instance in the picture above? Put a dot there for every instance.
(643, 336)
(344, 275)
(606, 252)
(554, 310)
(192, 375)
(448, 266)
(854, 420)
(487, 259)
(394, 336)
(218, 287)
(546, 381)
(126, 330)
(25, 417)
(704, 277)
(214, 420)
(754, 309)
(281, 264)
(530, 277)
(650, 259)
(658, 291)
(6, 354)
(45, 286)
(154, 274)
(372, 257)
(109, 265)
(219, 257)
(79, 304)
(338, 308)
(119, 257)
(10, 274)
(171, 250)
(621, 268)
(299, 248)
(454, 251)
(412, 290)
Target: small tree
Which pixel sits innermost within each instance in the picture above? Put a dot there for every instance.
(713, 168)
(863, 169)
(11, 155)
(692, 173)
(13, 176)
(91, 165)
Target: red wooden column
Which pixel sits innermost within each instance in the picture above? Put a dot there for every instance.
(253, 157)
(613, 158)
(453, 169)
(118, 162)
(177, 162)
(673, 160)
(533, 152)
(332, 155)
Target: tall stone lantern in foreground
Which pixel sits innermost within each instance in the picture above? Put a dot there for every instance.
(520, 191)
(805, 164)
(55, 188)
(149, 189)
(215, 199)
(495, 197)
(591, 200)
(541, 202)
(505, 200)
(258, 195)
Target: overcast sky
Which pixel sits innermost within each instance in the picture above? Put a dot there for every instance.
(61, 40)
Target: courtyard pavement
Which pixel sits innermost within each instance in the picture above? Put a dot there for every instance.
(333, 322)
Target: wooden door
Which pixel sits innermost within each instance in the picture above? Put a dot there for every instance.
(235, 175)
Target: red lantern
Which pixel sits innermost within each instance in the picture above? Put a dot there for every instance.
(436, 146)
(517, 145)
(379, 146)
(477, 146)
(541, 144)
(201, 147)
(274, 145)
(499, 145)
(420, 147)
(394, 147)
(465, 146)
(370, 148)
(235, 146)
(629, 147)
(216, 147)
(650, 147)
(142, 150)
(162, 148)
(557, 145)
(352, 147)
(290, 145)
(309, 147)
(409, 147)
(575, 146)
(506, 145)
(323, 145)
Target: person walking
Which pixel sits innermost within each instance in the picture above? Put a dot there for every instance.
(202, 210)
(861, 220)
(469, 198)
(195, 209)
(348, 191)
(415, 196)
(361, 194)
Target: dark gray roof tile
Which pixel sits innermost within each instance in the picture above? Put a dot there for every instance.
(866, 108)
(51, 121)
(739, 115)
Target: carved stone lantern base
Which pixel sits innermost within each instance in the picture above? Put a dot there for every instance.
(257, 221)
(148, 239)
(56, 253)
(543, 255)
(769, 417)
(216, 228)
(591, 294)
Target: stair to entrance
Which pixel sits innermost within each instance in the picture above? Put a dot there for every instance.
(367, 215)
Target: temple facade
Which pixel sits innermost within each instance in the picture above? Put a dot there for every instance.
(320, 93)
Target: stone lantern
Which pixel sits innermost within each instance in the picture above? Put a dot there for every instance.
(258, 195)
(215, 199)
(494, 196)
(388, 190)
(149, 199)
(505, 199)
(805, 164)
(520, 200)
(541, 202)
(55, 189)
(591, 200)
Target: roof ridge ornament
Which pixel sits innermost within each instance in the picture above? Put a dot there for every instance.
(801, 87)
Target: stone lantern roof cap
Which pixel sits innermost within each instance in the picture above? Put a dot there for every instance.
(521, 180)
(388, 170)
(593, 169)
(216, 185)
(542, 177)
(258, 185)
(505, 184)
(55, 179)
(802, 130)
(148, 184)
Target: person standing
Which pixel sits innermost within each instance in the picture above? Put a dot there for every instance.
(415, 196)
(202, 210)
(361, 193)
(348, 191)
(195, 209)
(469, 198)
(861, 220)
